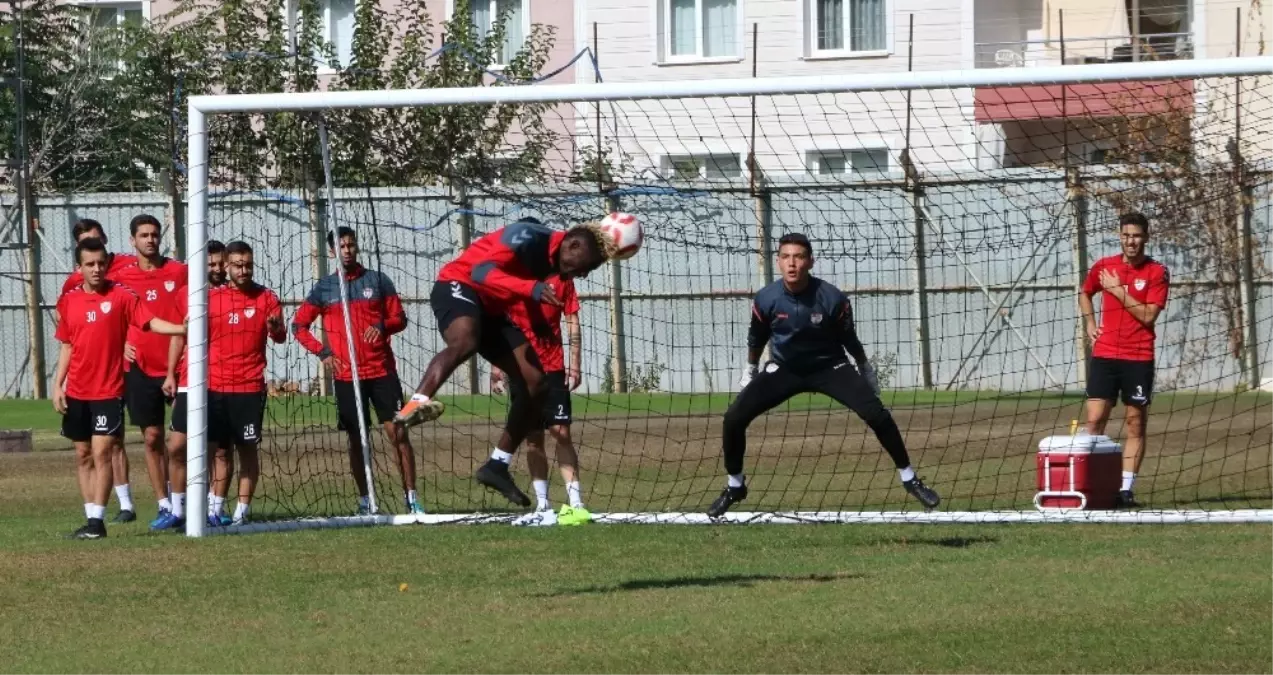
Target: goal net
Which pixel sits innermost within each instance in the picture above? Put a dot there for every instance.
(959, 211)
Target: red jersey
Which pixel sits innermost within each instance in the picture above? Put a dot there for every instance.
(157, 289)
(183, 307)
(1122, 335)
(117, 262)
(373, 301)
(542, 323)
(95, 325)
(508, 264)
(237, 330)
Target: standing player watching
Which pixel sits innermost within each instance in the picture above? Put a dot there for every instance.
(470, 298)
(241, 316)
(88, 384)
(86, 228)
(808, 325)
(175, 387)
(375, 313)
(541, 324)
(157, 281)
(1133, 290)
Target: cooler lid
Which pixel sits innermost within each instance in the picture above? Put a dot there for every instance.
(1079, 445)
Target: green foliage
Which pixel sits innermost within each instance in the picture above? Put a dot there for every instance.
(640, 378)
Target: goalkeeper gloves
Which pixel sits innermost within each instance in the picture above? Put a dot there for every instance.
(751, 371)
(868, 373)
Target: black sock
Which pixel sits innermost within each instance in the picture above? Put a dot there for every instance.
(891, 438)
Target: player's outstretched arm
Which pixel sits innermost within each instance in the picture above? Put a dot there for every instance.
(274, 323)
(395, 315)
(157, 325)
(575, 331)
(301, 323)
(758, 334)
(59, 378)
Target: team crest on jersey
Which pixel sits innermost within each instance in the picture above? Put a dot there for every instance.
(106, 307)
(816, 319)
(1140, 284)
(249, 312)
(169, 285)
(366, 293)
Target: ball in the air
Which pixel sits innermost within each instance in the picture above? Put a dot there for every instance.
(625, 231)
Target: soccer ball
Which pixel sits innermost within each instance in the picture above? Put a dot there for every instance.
(625, 231)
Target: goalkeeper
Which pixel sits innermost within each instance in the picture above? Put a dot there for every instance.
(470, 300)
(808, 325)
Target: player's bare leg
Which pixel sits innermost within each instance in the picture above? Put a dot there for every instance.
(249, 473)
(123, 490)
(574, 512)
(84, 470)
(176, 448)
(1098, 412)
(100, 481)
(157, 464)
(397, 434)
(461, 338)
(222, 469)
(358, 471)
(1133, 452)
(537, 467)
(524, 373)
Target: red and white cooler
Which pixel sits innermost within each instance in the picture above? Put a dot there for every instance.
(1078, 472)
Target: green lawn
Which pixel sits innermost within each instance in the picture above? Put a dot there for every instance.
(493, 598)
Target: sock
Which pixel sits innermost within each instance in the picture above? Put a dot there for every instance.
(501, 456)
(420, 398)
(96, 511)
(125, 494)
(215, 505)
(541, 495)
(907, 474)
(88, 509)
(179, 504)
(573, 493)
(1129, 477)
(165, 504)
(736, 480)
(241, 511)
(364, 503)
(412, 498)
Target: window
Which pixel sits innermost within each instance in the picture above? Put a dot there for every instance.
(699, 29)
(514, 13)
(702, 167)
(104, 16)
(848, 26)
(846, 162)
(337, 30)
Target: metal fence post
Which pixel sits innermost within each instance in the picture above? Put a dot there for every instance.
(316, 207)
(1077, 199)
(920, 274)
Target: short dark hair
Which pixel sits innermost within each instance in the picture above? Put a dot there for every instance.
(143, 219)
(87, 225)
(1134, 218)
(238, 246)
(340, 233)
(215, 247)
(88, 245)
(798, 239)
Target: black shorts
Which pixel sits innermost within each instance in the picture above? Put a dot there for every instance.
(145, 398)
(556, 410)
(178, 418)
(451, 300)
(235, 419)
(1108, 378)
(85, 419)
(382, 394)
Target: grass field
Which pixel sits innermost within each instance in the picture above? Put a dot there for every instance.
(635, 599)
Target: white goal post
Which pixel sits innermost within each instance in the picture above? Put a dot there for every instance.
(200, 108)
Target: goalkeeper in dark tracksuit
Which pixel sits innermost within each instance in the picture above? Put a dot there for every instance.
(808, 325)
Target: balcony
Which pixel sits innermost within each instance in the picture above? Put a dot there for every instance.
(1106, 49)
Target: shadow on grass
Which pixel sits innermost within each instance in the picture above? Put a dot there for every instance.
(738, 580)
(944, 542)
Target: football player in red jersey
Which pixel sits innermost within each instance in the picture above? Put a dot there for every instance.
(88, 384)
(541, 324)
(174, 387)
(1133, 290)
(470, 299)
(242, 315)
(82, 229)
(375, 313)
(157, 281)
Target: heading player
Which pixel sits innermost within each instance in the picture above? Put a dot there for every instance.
(808, 325)
(82, 229)
(175, 387)
(88, 383)
(242, 315)
(1133, 290)
(470, 298)
(375, 313)
(157, 281)
(541, 324)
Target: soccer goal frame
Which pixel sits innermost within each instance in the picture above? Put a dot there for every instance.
(200, 108)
